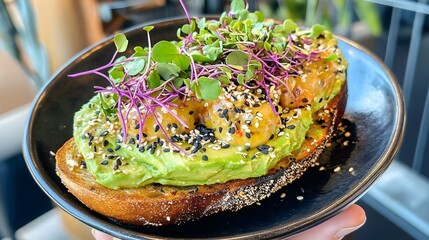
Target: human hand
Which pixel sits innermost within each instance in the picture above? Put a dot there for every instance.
(335, 228)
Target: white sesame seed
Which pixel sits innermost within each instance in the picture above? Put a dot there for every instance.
(300, 198)
(337, 169)
(351, 169)
(283, 195)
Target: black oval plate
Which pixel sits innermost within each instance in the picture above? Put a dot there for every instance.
(375, 114)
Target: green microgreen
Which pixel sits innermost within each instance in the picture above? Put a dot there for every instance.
(121, 42)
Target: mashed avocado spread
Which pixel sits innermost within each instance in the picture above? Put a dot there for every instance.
(227, 101)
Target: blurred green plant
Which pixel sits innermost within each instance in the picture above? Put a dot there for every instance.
(334, 14)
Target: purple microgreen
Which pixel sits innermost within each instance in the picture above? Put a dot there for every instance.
(185, 10)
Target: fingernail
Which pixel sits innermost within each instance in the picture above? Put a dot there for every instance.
(93, 232)
(343, 232)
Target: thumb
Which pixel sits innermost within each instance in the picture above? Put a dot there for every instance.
(337, 227)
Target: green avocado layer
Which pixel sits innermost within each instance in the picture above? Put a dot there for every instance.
(128, 167)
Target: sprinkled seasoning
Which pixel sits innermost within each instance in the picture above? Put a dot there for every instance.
(231, 130)
(248, 135)
(103, 134)
(263, 149)
(205, 158)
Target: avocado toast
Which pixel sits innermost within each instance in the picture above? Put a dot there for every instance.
(222, 118)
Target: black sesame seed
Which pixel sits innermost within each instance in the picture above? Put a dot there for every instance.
(109, 149)
(272, 136)
(220, 129)
(149, 146)
(187, 148)
(144, 135)
(248, 135)
(205, 158)
(304, 100)
(156, 128)
(90, 137)
(176, 151)
(95, 148)
(231, 130)
(226, 145)
(253, 157)
(105, 143)
(137, 126)
(290, 126)
(132, 141)
(105, 162)
(166, 150)
(152, 150)
(141, 149)
(191, 112)
(110, 156)
(263, 148)
(83, 136)
(103, 134)
(168, 126)
(117, 147)
(175, 125)
(196, 149)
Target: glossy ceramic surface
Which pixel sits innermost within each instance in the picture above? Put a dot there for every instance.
(374, 115)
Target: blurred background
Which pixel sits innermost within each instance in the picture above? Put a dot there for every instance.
(38, 36)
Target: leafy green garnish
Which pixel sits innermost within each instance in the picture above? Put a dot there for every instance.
(167, 52)
(135, 67)
(332, 57)
(207, 88)
(167, 70)
(237, 60)
(316, 30)
(121, 42)
(237, 6)
(240, 48)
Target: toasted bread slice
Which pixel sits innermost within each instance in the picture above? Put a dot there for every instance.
(157, 204)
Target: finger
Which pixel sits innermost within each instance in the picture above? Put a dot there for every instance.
(337, 227)
(101, 235)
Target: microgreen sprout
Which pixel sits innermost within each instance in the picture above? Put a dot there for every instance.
(240, 47)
